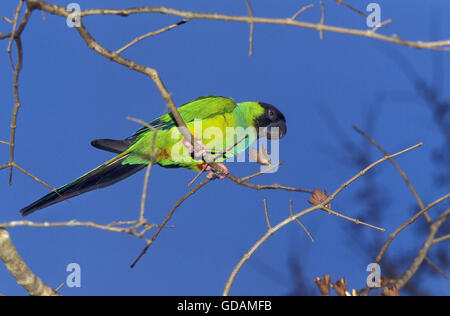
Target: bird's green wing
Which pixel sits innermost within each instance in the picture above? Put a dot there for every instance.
(201, 108)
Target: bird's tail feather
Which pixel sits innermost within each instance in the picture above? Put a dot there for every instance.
(112, 145)
(102, 176)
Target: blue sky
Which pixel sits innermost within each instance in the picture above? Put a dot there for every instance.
(71, 95)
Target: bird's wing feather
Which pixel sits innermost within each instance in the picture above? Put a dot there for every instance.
(201, 108)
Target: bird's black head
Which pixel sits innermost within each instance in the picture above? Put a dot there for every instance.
(273, 120)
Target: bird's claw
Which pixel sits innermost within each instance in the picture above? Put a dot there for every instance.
(198, 155)
(198, 152)
(212, 174)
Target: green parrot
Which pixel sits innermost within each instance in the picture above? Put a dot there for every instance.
(216, 122)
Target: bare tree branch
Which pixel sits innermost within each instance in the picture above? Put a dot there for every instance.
(400, 170)
(18, 268)
(406, 224)
(54, 9)
(402, 280)
(15, 36)
(291, 219)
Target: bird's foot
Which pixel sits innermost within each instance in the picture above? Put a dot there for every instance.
(212, 174)
(198, 152)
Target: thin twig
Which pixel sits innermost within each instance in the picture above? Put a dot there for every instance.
(365, 170)
(13, 32)
(60, 287)
(8, 20)
(149, 167)
(322, 19)
(252, 28)
(441, 239)
(198, 175)
(380, 25)
(267, 214)
(274, 186)
(130, 228)
(291, 209)
(406, 224)
(140, 38)
(351, 8)
(295, 16)
(437, 269)
(356, 221)
(33, 177)
(399, 169)
(112, 227)
(144, 190)
(263, 171)
(16, 107)
(168, 217)
(15, 35)
(152, 128)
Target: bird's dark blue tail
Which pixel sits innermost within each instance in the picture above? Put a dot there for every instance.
(103, 176)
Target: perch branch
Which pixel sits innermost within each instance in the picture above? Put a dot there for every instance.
(18, 268)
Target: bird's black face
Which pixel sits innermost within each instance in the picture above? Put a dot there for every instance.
(273, 120)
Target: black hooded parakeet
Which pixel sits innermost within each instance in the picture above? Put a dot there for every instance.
(216, 122)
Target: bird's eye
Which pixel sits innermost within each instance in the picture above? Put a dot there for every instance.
(271, 114)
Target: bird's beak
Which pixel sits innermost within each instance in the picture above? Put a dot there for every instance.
(276, 130)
